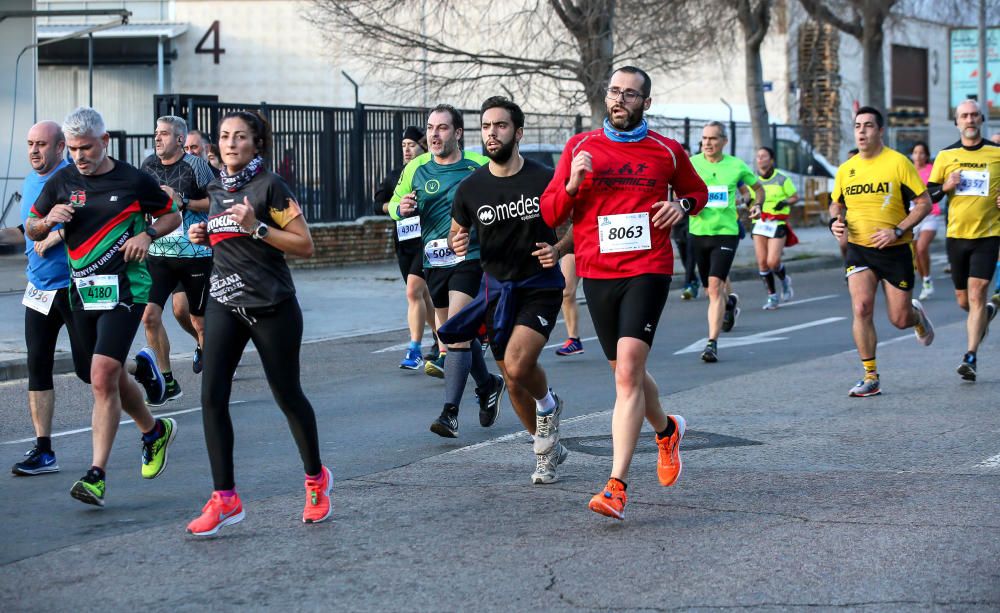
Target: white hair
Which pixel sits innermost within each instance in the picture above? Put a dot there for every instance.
(178, 124)
(718, 124)
(978, 106)
(84, 121)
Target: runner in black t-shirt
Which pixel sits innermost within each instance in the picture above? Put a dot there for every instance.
(409, 254)
(174, 262)
(519, 255)
(102, 204)
(253, 221)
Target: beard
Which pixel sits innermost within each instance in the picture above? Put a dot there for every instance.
(972, 133)
(501, 155)
(627, 122)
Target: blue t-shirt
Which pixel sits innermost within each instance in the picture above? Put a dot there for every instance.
(50, 271)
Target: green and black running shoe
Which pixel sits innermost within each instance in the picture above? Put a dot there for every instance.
(154, 453)
(89, 489)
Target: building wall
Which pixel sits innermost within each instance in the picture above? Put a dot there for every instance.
(15, 35)
(123, 94)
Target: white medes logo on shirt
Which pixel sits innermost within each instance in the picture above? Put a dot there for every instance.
(524, 208)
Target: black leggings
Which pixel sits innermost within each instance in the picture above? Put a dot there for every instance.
(276, 332)
(41, 333)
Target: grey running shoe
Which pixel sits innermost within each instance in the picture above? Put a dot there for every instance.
(866, 387)
(927, 290)
(991, 312)
(787, 293)
(711, 353)
(923, 328)
(547, 429)
(546, 464)
(772, 302)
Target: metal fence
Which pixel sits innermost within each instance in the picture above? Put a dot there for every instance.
(335, 158)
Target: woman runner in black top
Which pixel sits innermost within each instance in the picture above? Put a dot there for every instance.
(253, 222)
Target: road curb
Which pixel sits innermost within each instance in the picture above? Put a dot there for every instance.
(17, 368)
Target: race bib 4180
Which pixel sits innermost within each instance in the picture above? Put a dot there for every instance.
(98, 292)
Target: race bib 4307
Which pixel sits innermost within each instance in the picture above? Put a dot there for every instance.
(407, 228)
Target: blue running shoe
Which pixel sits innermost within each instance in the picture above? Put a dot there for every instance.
(148, 374)
(572, 346)
(412, 360)
(37, 463)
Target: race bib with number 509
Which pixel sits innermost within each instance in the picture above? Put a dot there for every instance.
(439, 254)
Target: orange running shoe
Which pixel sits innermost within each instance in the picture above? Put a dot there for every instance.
(668, 461)
(318, 506)
(611, 501)
(217, 513)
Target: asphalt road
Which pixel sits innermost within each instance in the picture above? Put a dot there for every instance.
(793, 495)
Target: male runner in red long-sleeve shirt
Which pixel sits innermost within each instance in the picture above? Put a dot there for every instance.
(614, 183)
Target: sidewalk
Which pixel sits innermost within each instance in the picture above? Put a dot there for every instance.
(344, 301)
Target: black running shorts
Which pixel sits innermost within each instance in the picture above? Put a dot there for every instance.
(713, 255)
(972, 257)
(892, 264)
(410, 255)
(108, 333)
(628, 307)
(170, 273)
(463, 277)
(537, 309)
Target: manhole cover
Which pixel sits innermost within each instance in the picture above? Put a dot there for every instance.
(693, 440)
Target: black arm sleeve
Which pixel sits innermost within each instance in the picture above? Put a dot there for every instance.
(936, 193)
(384, 192)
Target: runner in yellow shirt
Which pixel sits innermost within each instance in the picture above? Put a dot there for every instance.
(968, 171)
(873, 188)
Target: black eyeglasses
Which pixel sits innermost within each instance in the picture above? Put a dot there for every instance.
(627, 94)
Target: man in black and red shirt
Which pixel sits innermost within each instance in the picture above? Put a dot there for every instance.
(102, 204)
(614, 183)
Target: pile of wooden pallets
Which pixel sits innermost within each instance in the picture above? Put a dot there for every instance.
(819, 86)
(908, 116)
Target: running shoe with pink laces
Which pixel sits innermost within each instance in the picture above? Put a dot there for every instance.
(219, 511)
(318, 505)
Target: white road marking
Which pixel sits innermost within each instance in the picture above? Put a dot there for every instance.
(993, 462)
(760, 337)
(522, 434)
(805, 300)
(121, 423)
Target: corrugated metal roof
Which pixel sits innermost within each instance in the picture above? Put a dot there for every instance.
(131, 30)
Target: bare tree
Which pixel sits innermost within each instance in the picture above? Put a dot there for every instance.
(865, 20)
(754, 17)
(558, 50)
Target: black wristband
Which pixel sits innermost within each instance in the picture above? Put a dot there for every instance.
(830, 225)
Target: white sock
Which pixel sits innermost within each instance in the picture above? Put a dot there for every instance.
(545, 405)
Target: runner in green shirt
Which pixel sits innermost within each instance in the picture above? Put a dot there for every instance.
(771, 233)
(715, 230)
(426, 189)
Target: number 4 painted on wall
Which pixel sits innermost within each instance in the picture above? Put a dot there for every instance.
(215, 49)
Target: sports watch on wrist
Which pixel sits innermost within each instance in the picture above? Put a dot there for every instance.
(260, 231)
(899, 232)
(151, 231)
